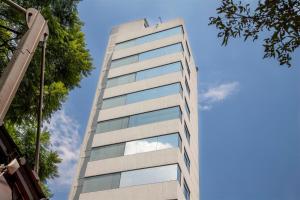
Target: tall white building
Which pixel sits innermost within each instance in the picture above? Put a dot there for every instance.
(141, 141)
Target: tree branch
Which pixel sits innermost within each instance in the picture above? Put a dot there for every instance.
(11, 30)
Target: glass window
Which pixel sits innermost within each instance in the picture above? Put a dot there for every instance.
(159, 71)
(187, 87)
(187, 109)
(149, 175)
(154, 93)
(188, 68)
(145, 74)
(186, 191)
(103, 182)
(155, 116)
(120, 80)
(140, 146)
(174, 48)
(126, 44)
(131, 178)
(187, 160)
(179, 174)
(150, 38)
(124, 61)
(142, 95)
(139, 119)
(187, 133)
(110, 151)
(136, 146)
(168, 141)
(111, 125)
(113, 102)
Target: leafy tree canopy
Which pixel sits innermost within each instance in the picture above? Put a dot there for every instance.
(278, 19)
(67, 62)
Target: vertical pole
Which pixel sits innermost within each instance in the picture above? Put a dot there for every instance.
(40, 108)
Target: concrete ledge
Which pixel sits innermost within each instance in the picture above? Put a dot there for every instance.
(157, 191)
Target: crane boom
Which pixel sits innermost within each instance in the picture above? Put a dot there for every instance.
(23, 181)
(16, 68)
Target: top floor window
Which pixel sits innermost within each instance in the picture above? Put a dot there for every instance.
(149, 38)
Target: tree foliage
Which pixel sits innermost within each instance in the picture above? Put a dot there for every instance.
(67, 62)
(279, 20)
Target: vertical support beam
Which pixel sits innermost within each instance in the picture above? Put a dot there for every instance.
(40, 112)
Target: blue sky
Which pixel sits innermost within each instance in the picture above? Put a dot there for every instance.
(249, 107)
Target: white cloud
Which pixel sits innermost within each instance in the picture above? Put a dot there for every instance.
(217, 94)
(65, 140)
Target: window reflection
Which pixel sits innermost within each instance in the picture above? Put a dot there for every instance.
(124, 61)
(131, 178)
(149, 175)
(174, 48)
(103, 182)
(145, 74)
(142, 95)
(156, 116)
(161, 52)
(109, 151)
(139, 119)
(141, 146)
(150, 38)
(137, 146)
(111, 125)
(121, 80)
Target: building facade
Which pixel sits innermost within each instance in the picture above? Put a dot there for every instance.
(141, 141)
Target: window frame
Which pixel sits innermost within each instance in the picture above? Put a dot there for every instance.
(188, 49)
(186, 188)
(143, 36)
(120, 175)
(128, 116)
(179, 146)
(187, 108)
(187, 67)
(149, 69)
(187, 86)
(187, 160)
(138, 54)
(130, 93)
(187, 133)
